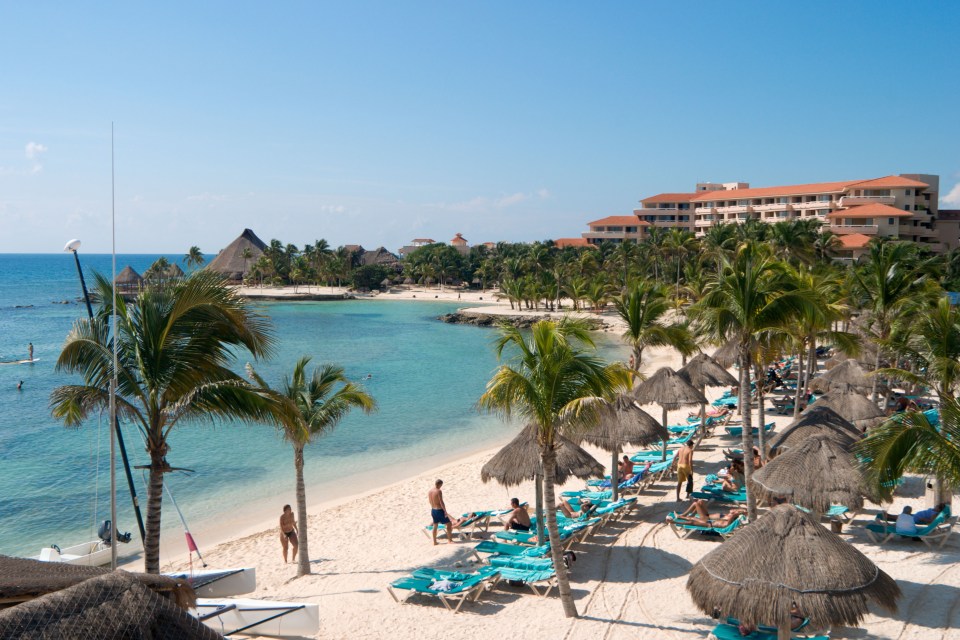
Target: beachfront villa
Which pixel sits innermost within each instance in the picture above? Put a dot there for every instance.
(901, 206)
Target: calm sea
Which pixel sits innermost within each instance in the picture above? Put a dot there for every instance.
(427, 376)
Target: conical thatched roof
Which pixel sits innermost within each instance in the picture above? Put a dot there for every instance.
(788, 556)
(230, 261)
(818, 421)
(815, 474)
(129, 277)
(408, 281)
(519, 461)
(846, 376)
(703, 371)
(856, 408)
(23, 579)
(113, 605)
(726, 355)
(174, 271)
(668, 390)
(623, 422)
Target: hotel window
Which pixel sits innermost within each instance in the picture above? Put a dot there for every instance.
(908, 192)
(906, 207)
(890, 221)
(631, 229)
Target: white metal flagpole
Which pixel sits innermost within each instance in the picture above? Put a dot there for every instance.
(113, 378)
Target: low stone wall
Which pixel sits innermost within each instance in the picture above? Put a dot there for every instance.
(480, 319)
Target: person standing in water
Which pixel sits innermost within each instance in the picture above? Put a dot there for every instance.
(288, 532)
(30, 351)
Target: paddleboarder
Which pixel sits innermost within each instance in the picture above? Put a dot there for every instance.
(30, 351)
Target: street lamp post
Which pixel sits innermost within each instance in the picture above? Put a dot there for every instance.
(72, 246)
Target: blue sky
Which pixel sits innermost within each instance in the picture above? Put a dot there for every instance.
(377, 122)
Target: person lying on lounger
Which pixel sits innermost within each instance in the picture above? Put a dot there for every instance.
(698, 514)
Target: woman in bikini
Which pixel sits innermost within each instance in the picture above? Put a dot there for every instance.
(288, 532)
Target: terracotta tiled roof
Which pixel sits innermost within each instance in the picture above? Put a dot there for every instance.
(561, 243)
(669, 197)
(619, 220)
(889, 182)
(854, 241)
(874, 210)
(769, 192)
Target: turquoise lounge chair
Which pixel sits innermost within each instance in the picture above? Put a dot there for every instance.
(730, 632)
(685, 529)
(934, 535)
(476, 522)
(540, 581)
(462, 587)
(711, 493)
(738, 431)
(493, 548)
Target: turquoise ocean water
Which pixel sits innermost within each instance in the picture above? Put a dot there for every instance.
(427, 376)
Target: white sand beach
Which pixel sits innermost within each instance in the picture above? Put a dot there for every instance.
(628, 580)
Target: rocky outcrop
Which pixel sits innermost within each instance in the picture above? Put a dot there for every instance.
(480, 319)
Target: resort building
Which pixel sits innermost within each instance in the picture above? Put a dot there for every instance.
(460, 244)
(898, 206)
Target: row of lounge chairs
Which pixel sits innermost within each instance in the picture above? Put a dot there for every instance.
(934, 535)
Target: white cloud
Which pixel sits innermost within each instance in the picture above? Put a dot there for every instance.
(953, 196)
(331, 208)
(33, 151)
(486, 203)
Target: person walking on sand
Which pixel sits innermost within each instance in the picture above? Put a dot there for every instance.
(685, 468)
(438, 512)
(288, 533)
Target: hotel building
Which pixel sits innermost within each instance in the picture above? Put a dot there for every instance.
(903, 206)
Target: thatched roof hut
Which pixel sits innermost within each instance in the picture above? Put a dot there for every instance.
(703, 371)
(669, 390)
(848, 375)
(174, 271)
(519, 461)
(815, 474)
(784, 557)
(230, 261)
(128, 280)
(856, 408)
(111, 605)
(818, 421)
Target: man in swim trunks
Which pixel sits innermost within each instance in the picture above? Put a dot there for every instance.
(685, 468)
(438, 512)
(288, 533)
(626, 469)
(519, 519)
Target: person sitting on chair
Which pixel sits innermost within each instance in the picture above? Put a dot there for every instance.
(519, 519)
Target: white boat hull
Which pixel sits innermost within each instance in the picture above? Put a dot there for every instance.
(88, 554)
(219, 583)
(259, 617)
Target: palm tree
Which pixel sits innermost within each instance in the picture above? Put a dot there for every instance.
(315, 406)
(643, 309)
(158, 270)
(751, 295)
(246, 253)
(680, 243)
(175, 345)
(193, 258)
(552, 382)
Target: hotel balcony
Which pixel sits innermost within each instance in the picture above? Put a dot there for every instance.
(814, 205)
(669, 224)
(705, 210)
(706, 221)
(847, 229)
(613, 235)
(737, 208)
(849, 201)
(776, 206)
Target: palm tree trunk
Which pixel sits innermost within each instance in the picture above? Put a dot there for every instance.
(303, 559)
(538, 509)
(800, 385)
(747, 437)
(761, 436)
(811, 360)
(614, 476)
(151, 544)
(664, 422)
(549, 457)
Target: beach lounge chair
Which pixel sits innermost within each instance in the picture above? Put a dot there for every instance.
(540, 581)
(713, 492)
(476, 522)
(934, 535)
(686, 529)
(732, 632)
(738, 430)
(493, 548)
(450, 588)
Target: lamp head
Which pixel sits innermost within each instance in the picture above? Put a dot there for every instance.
(73, 245)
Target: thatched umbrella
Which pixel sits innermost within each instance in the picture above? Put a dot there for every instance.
(112, 605)
(385, 283)
(670, 391)
(408, 280)
(856, 408)
(623, 422)
(846, 376)
(520, 460)
(816, 473)
(726, 356)
(702, 372)
(784, 557)
(818, 421)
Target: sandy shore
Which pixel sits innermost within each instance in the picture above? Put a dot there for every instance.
(629, 580)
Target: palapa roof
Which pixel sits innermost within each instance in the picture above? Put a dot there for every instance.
(111, 605)
(669, 390)
(856, 408)
(726, 355)
(379, 256)
(129, 276)
(815, 474)
(847, 375)
(519, 460)
(623, 422)
(818, 421)
(24, 579)
(230, 262)
(787, 556)
(703, 371)
(174, 271)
